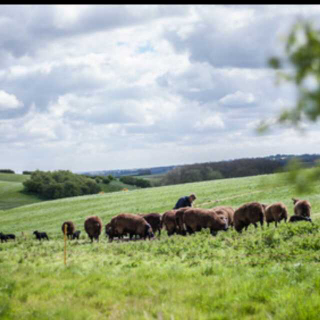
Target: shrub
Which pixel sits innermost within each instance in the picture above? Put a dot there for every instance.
(106, 180)
(60, 184)
(26, 172)
(139, 182)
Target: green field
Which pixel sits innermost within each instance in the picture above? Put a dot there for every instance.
(11, 191)
(260, 274)
(116, 185)
(153, 178)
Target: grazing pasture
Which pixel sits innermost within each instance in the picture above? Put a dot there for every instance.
(11, 191)
(269, 273)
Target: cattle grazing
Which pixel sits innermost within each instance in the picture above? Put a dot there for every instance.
(196, 219)
(275, 213)
(40, 235)
(6, 237)
(3, 237)
(112, 233)
(248, 213)
(76, 235)
(302, 207)
(179, 221)
(168, 221)
(10, 236)
(296, 218)
(93, 227)
(132, 224)
(154, 219)
(70, 228)
(227, 212)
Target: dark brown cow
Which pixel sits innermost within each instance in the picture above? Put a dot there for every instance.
(275, 213)
(248, 213)
(196, 219)
(132, 224)
(93, 227)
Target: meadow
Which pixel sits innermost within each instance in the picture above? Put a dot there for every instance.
(261, 274)
(11, 191)
(13, 195)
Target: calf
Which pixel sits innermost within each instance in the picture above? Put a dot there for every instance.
(40, 235)
(3, 237)
(296, 218)
(76, 235)
(11, 236)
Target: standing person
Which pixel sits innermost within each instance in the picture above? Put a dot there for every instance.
(185, 201)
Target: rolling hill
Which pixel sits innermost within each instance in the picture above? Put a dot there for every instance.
(50, 214)
(11, 192)
(269, 273)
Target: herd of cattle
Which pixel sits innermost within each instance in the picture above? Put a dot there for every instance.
(184, 221)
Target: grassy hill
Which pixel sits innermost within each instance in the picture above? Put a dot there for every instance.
(154, 178)
(260, 274)
(116, 185)
(11, 191)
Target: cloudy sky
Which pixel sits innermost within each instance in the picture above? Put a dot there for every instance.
(108, 87)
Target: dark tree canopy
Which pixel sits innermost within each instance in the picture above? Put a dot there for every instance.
(60, 184)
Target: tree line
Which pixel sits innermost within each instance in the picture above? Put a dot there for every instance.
(221, 170)
(139, 182)
(60, 184)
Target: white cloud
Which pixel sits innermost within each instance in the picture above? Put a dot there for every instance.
(9, 101)
(238, 98)
(214, 122)
(149, 84)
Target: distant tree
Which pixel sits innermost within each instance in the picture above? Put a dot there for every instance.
(106, 180)
(145, 172)
(26, 172)
(111, 177)
(142, 183)
(6, 171)
(213, 174)
(220, 170)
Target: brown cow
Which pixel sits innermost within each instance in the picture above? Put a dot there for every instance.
(169, 222)
(93, 227)
(302, 207)
(196, 219)
(179, 220)
(275, 213)
(154, 219)
(110, 233)
(132, 224)
(227, 211)
(70, 228)
(248, 213)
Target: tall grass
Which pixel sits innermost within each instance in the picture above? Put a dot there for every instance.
(269, 273)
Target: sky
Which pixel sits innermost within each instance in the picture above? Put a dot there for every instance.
(102, 87)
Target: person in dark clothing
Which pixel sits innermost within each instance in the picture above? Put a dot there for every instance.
(185, 201)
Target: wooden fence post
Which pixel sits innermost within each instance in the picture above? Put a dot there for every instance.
(65, 244)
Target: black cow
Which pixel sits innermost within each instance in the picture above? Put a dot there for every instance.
(76, 235)
(299, 218)
(11, 236)
(40, 235)
(3, 237)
